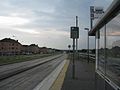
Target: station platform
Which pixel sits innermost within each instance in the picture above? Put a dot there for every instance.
(84, 76)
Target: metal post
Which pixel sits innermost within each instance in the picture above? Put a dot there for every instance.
(91, 23)
(87, 43)
(73, 72)
(76, 38)
(76, 21)
(69, 51)
(76, 45)
(88, 46)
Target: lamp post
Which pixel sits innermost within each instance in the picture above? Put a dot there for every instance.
(87, 42)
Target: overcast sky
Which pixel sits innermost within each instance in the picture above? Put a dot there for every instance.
(46, 22)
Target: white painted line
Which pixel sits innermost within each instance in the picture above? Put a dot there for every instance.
(49, 80)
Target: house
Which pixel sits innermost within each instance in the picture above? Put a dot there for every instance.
(33, 48)
(43, 50)
(10, 46)
(25, 50)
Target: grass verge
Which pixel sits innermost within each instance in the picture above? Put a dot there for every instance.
(21, 58)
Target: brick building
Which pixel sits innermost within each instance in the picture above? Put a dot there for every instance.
(30, 49)
(25, 49)
(33, 48)
(45, 50)
(10, 47)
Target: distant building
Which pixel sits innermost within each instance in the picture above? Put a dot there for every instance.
(25, 50)
(30, 49)
(116, 43)
(50, 50)
(34, 49)
(10, 47)
(46, 50)
(43, 50)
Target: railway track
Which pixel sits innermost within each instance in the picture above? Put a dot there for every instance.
(91, 56)
(28, 78)
(22, 67)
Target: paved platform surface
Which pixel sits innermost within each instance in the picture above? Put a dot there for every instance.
(84, 76)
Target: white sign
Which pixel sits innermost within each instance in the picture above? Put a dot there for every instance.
(96, 12)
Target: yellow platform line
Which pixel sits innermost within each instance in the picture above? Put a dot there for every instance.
(57, 85)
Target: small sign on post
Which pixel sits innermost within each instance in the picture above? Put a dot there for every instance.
(74, 32)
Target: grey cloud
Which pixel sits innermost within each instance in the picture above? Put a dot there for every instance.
(49, 14)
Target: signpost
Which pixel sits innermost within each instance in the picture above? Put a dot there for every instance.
(74, 32)
(95, 13)
(98, 11)
(77, 38)
(74, 35)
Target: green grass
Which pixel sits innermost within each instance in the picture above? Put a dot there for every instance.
(20, 58)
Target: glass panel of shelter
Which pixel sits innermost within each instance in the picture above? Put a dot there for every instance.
(113, 49)
(101, 51)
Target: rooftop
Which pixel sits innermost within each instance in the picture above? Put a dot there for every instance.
(9, 40)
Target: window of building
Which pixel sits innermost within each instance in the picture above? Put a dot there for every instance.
(2, 48)
(12, 47)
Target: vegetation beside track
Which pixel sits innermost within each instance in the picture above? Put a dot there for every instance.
(21, 58)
